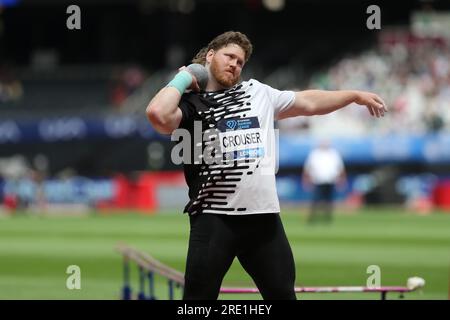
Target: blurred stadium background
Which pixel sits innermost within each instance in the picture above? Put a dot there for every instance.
(81, 168)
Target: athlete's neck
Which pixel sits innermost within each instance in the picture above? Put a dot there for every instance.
(213, 85)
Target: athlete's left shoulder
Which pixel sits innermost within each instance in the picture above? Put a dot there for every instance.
(254, 84)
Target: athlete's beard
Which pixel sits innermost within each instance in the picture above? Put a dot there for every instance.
(225, 79)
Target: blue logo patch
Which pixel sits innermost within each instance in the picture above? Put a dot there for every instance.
(231, 124)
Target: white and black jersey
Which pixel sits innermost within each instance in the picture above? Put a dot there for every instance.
(231, 167)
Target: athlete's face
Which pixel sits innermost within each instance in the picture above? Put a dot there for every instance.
(226, 64)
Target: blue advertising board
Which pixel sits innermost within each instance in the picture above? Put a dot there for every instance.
(293, 149)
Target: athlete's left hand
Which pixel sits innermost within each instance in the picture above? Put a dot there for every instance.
(377, 107)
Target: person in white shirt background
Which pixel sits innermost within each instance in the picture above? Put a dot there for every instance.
(323, 172)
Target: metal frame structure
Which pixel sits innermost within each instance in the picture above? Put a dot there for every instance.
(149, 266)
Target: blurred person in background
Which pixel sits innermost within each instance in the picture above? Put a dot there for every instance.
(17, 188)
(234, 208)
(11, 89)
(324, 170)
(124, 83)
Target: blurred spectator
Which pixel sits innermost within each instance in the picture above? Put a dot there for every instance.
(10, 87)
(434, 121)
(411, 74)
(17, 188)
(39, 174)
(125, 84)
(118, 93)
(133, 77)
(23, 185)
(324, 169)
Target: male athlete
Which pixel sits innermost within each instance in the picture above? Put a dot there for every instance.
(233, 207)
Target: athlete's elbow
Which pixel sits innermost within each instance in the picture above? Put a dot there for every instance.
(305, 104)
(310, 109)
(159, 121)
(153, 115)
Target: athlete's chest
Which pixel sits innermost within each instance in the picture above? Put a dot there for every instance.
(239, 109)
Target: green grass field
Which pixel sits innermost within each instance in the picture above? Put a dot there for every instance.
(36, 250)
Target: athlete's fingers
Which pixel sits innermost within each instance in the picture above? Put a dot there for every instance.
(381, 101)
(379, 108)
(370, 110)
(195, 86)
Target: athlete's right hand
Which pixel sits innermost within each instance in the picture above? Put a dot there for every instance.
(194, 85)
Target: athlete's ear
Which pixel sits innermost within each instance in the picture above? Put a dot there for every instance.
(210, 55)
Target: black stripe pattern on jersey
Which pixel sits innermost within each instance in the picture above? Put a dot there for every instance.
(222, 177)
